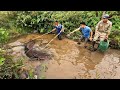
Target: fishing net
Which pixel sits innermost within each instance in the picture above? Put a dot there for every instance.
(38, 54)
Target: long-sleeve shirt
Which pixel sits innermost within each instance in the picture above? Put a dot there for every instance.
(104, 27)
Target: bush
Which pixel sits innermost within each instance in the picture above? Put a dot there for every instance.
(42, 21)
(35, 21)
(8, 68)
(4, 35)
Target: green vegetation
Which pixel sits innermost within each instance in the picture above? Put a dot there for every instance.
(15, 23)
(8, 68)
(22, 22)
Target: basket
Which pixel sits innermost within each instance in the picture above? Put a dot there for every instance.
(103, 46)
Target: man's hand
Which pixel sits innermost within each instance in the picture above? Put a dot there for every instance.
(68, 35)
(90, 38)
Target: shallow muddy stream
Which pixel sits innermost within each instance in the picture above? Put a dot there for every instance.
(70, 61)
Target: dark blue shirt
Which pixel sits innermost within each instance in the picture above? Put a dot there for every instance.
(58, 28)
(86, 31)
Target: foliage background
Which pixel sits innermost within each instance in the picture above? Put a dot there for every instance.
(14, 23)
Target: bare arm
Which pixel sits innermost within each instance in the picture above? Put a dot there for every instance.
(74, 31)
(53, 29)
(91, 33)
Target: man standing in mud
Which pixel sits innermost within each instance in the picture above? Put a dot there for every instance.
(59, 29)
(102, 30)
(86, 33)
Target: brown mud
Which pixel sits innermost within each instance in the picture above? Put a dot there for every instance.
(72, 61)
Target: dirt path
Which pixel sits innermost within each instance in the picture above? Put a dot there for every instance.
(73, 61)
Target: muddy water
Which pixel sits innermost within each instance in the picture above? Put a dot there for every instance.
(72, 61)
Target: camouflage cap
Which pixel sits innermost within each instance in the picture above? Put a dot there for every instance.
(106, 16)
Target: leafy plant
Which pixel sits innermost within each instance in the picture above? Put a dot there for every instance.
(31, 74)
(4, 35)
(2, 60)
(8, 68)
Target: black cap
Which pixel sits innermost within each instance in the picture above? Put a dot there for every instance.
(83, 23)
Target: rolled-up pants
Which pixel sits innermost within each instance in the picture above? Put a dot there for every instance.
(84, 38)
(60, 35)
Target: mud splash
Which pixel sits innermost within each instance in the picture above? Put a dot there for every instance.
(72, 61)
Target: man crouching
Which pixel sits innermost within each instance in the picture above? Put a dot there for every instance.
(86, 33)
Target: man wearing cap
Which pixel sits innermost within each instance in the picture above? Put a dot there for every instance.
(102, 30)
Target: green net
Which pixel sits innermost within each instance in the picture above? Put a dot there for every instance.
(103, 46)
